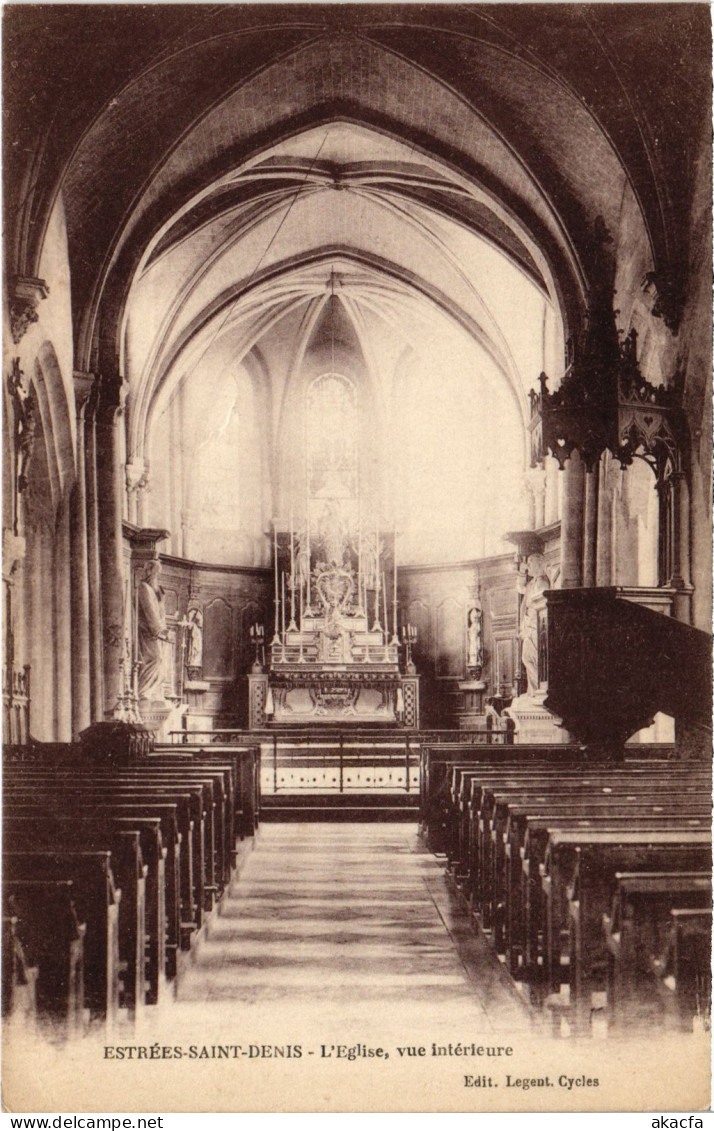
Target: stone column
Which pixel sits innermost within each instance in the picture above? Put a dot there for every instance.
(40, 564)
(590, 531)
(79, 568)
(63, 623)
(553, 479)
(136, 483)
(96, 635)
(681, 580)
(111, 486)
(611, 472)
(571, 535)
(535, 479)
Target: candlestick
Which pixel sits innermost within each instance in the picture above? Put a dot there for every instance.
(386, 610)
(292, 627)
(377, 626)
(282, 585)
(276, 637)
(395, 638)
(301, 658)
(309, 555)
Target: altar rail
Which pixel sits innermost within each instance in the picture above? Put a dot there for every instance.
(491, 735)
(329, 760)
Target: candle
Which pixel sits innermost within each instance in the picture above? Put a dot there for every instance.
(282, 583)
(276, 638)
(292, 572)
(302, 658)
(394, 606)
(309, 554)
(386, 611)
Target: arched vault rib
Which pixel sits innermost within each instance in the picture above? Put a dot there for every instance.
(304, 278)
(197, 265)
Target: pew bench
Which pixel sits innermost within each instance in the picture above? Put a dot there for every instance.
(96, 899)
(636, 935)
(683, 969)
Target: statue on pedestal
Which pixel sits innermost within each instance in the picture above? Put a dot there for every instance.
(474, 638)
(532, 584)
(152, 634)
(194, 655)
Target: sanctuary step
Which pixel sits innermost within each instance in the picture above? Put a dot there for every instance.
(340, 807)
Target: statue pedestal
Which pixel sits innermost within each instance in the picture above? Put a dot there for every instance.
(533, 723)
(472, 711)
(161, 718)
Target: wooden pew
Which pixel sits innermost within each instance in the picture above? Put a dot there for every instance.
(215, 780)
(503, 884)
(495, 800)
(436, 760)
(491, 795)
(578, 876)
(19, 976)
(508, 885)
(636, 932)
(435, 778)
(140, 802)
(28, 863)
(683, 969)
(96, 899)
(245, 765)
(30, 827)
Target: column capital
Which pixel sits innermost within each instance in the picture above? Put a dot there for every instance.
(84, 387)
(535, 479)
(26, 294)
(137, 474)
(13, 553)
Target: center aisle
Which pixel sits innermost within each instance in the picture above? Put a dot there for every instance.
(352, 924)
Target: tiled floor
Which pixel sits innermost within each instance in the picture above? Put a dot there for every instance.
(350, 923)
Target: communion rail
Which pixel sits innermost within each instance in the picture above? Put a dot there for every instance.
(336, 761)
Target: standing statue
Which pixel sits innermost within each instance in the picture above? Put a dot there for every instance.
(194, 657)
(532, 584)
(152, 633)
(474, 635)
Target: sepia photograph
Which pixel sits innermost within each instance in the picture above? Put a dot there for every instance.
(357, 558)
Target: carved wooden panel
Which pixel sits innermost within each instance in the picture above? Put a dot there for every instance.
(419, 615)
(504, 664)
(171, 602)
(218, 650)
(450, 639)
(503, 602)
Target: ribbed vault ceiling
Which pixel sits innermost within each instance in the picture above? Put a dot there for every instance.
(339, 209)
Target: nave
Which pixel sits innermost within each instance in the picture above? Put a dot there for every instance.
(348, 925)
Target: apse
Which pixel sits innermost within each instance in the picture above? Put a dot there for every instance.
(339, 250)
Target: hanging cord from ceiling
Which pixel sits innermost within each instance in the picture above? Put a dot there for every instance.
(259, 264)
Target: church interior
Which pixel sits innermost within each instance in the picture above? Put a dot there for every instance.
(357, 514)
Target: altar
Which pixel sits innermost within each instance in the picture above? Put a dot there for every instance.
(328, 665)
(337, 654)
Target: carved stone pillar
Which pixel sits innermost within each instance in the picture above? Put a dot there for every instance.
(590, 527)
(63, 624)
(111, 488)
(681, 579)
(609, 478)
(136, 483)
(96, 634)
(79, 564)
(13, 556)
(535, 479)
(571, 535)
(553, 479)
